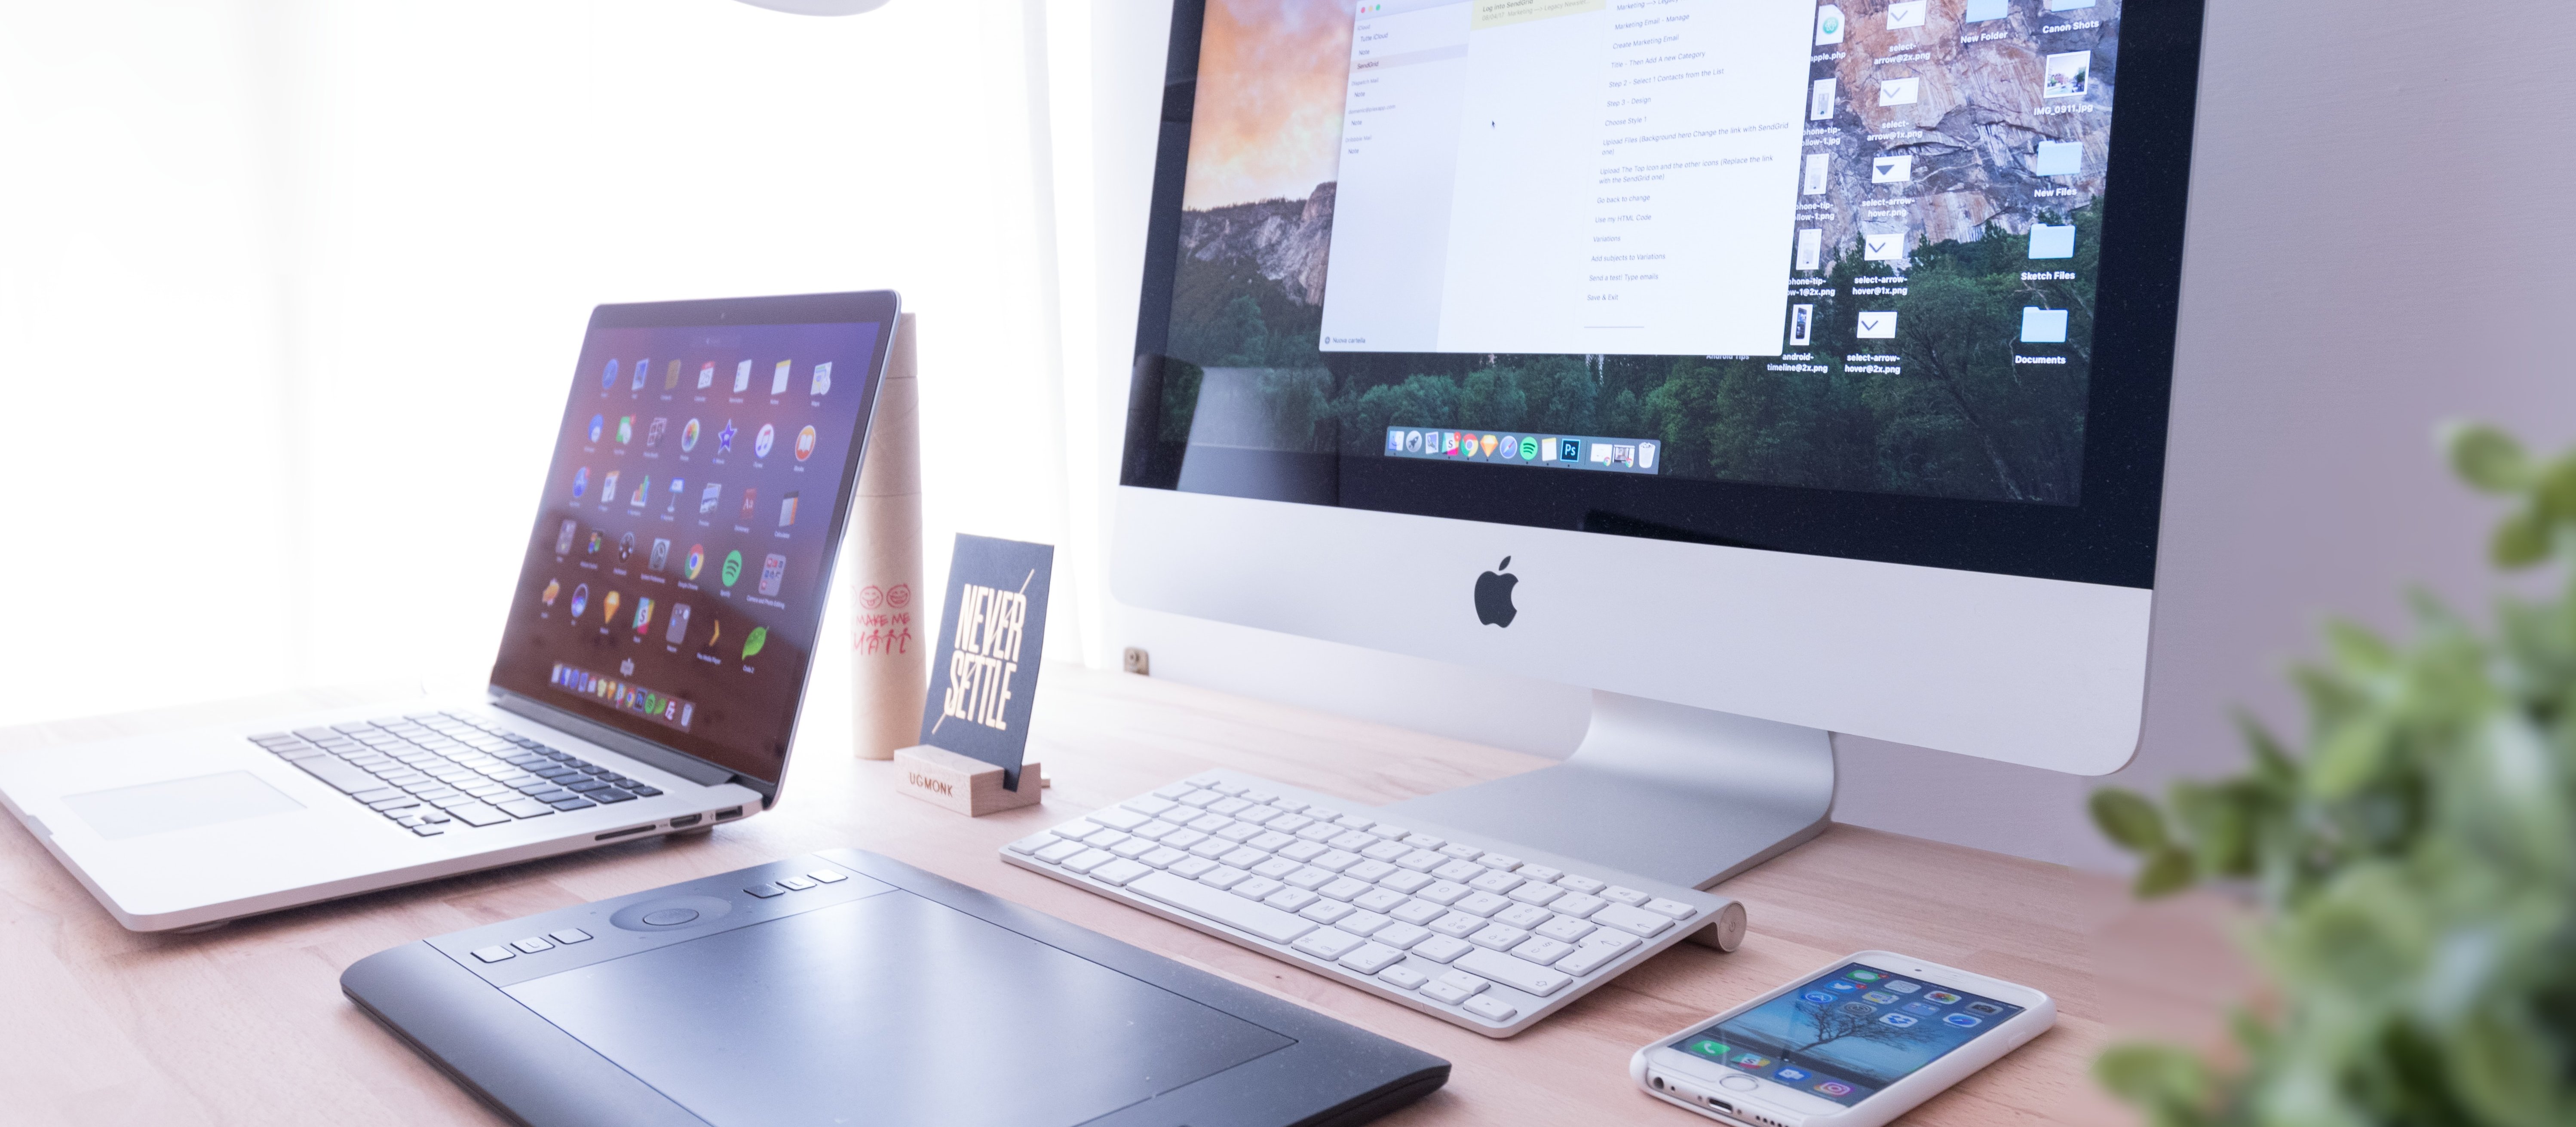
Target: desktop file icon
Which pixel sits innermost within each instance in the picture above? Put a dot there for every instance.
(2043, 326)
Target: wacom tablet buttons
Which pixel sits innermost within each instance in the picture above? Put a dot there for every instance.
(796, 884)
(827, 876)
(765, 891)
(569, 935)
(665, 913)
(494, 953)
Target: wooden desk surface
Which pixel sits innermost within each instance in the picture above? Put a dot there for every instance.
(246, 1024)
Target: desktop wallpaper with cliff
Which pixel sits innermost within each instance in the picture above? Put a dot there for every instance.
(1956, 405)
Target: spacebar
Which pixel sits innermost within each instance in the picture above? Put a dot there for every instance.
(1223, 907)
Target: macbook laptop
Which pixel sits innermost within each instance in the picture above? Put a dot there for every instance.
(656, 648)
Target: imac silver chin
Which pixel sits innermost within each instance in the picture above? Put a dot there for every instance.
(1716, 672)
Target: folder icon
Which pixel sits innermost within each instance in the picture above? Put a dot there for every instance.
(1979, 11)
(2052, 242)
(2040, 326)
(2059, 158)
(2068, 5)
(1899, 91)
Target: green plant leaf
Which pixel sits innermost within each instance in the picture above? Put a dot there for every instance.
(2349, 757)
(2170, 870)
(2521, 541)
(2487, 458)
(2131, 822)
(2154, 1076)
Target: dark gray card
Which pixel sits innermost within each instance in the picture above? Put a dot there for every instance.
(985, 675)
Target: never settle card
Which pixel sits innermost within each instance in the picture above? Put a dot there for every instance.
(986, 672)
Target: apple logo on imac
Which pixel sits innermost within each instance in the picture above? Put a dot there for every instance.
(1494, 596)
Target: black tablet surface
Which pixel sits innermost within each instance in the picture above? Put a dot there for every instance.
(842, 987)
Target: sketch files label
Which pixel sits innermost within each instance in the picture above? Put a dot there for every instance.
(993, 631)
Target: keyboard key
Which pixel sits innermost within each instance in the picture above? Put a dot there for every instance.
(1270, 841)
(1276, 868)
(1119, 872)
(1336, 861)
(1352, 840)
(1385, 851)
(1498, 937)
(1239, 832)
(378, 794)
(1228, 806)
(1223, 907)
(526, 808)
(1325, 911)
(1498, 861)
(1155, 830)
(1199, 798)
(429, 831)
(1028, 845)
(1458, 924)
(1174, 791)
(1541, 950)
(1363, 923)
(1223, 876)
(1535, 893)
(1444, 893)
(1290, 899)
(1425, 841)
(494, 953)
(1459, 872)
(1635, 921)
(1628, 896)
(1328, 944)
(1490, 1008)
(1481, 904)
(1370, 958)
(1585, 960)
(1522, 916)
(1496, 882)
(1402, 935)
(1539, 873)
(1243, 857)
(1056, 853)
(1290, 823)
(1346, 889)
(1149, 806)
(477, 815)
(568, 936)
(1257, 815)
(1565, 929)
(1230, 790)
(1134, 847)
(1184, 839)
(1526, 977)
(609, 796)
(1579, 905)
(1407, 881)
(1418, 911)
(1303, 850)
(1088, 860)
(1078, 830)
(533, 944)
(1191, 867)
(1105, 839)
(1674, 908)
(1461, 985)
(1442, 948)
(1368, 871)
(1257, 888)
(1164, 857)
(1119, 818)
(1211, 848)
(1619, 941)
(1403, 977)
(1462, 851)
(1378, 900)
(404, 802)
(1320, 832)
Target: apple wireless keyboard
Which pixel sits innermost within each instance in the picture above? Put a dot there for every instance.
(1475, 931)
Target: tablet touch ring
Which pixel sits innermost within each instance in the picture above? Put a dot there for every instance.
(670, 913)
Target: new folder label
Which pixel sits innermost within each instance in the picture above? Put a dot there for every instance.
(993, 629)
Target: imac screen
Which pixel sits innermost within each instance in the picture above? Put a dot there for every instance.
(1614, 252)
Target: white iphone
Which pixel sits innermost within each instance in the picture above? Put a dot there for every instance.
(1855, 1044)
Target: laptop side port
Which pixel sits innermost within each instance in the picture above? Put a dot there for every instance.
(728, 813)
(630, 831)
(685, 821)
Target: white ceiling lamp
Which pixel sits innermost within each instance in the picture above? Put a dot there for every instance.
(819, 7)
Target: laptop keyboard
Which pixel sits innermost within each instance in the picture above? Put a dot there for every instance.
(432, 772)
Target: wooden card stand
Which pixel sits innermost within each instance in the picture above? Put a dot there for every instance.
(966, 785)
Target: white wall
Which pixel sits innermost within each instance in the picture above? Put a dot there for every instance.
(2369, 253)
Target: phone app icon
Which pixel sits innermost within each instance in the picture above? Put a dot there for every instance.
(598, 423)
(1792, 1075)
(1865, 976)
(608, 608)
(1841, 985)
(643, 490)
(748, 497)
(1569, 449)
(688, 436)
(1900, 1021)
(724, 438)
(768, 438)
(787, 510)
(1859, 1009)
(661, 557)
(554, 587)
(1753, 1062)
(772, 571)
(653, 433)
(694, 562)
(580, 598)
(1927, 1009)
(1529, 449)
(608, 489)
(1942, 997)
(804, 444)
(1833, 1088)
(679, 625)
(672, 505)
(1902, 987)
(742, 377)
(778, 377)
(671, 376)
(625, 547)
(563, 537)
(1963, 1021)
(822, 381)
(752, 642)
(1713, 1050)
(1818, 997)
(607, 382)
(708, 497)
(594, 541)
(643, 616)
(1878, 997)
(642, 369)
(1987, 1008)
(706, 375)
(580, 482)
(625, 429)
(732, 568)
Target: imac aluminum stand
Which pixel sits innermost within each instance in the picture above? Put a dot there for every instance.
(1681, 794)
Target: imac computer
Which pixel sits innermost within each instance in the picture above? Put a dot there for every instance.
(1770, 367)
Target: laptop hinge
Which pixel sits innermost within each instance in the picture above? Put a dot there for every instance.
(677, 762)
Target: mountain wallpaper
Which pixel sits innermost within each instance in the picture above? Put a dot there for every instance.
(1954, 406)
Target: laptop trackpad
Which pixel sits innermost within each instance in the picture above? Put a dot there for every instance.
(179, 804)
(893, 1009)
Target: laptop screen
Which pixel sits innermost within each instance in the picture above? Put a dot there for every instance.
(674, 583)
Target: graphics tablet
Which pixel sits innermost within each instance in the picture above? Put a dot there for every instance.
(842, 987)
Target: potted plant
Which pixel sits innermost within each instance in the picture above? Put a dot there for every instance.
(2412, 866)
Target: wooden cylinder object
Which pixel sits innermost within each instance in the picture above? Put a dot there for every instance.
(890, 625)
